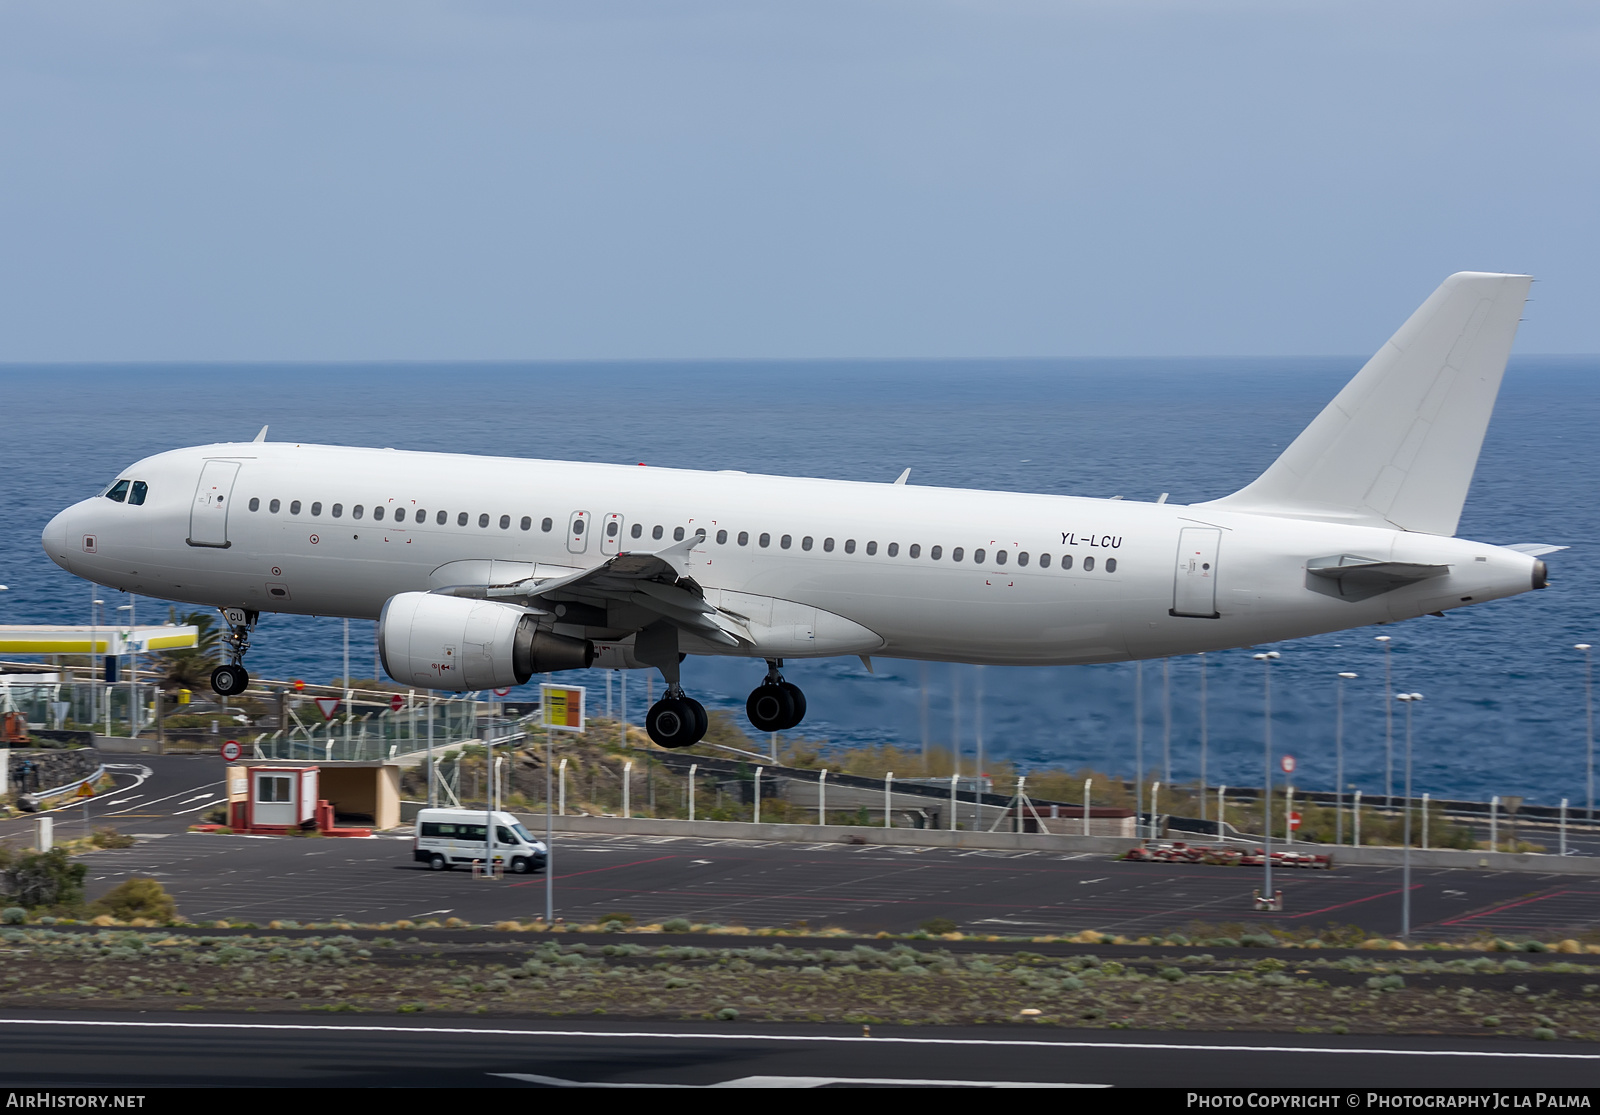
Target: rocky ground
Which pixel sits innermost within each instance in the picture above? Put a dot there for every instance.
(1545, 995)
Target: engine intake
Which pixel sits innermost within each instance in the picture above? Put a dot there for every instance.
(449, 642)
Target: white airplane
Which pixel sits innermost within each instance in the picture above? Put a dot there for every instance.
(483, 571)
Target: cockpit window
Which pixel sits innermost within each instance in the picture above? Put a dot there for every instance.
(140, 490)
(119, 490)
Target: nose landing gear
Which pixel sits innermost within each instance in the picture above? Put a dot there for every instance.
(231, 679)
(775, 705)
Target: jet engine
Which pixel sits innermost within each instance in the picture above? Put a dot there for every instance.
(450, 642)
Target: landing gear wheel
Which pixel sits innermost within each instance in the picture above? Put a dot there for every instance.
(770, 707)
(798, 699)
(229, 680)
(676, 722)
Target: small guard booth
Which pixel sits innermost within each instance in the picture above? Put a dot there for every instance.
(275, 799)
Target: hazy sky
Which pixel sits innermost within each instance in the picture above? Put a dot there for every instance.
(416, 180)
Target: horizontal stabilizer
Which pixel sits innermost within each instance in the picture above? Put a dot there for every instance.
(1397, 447)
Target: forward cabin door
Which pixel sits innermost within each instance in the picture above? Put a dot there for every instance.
(578, 532)
(611, 539)
(208, 518)
(1194, 589)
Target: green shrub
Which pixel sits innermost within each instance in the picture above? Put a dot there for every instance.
(676, 925)
(939, 925)
(13, 915)
(35, 879)
(137, 898)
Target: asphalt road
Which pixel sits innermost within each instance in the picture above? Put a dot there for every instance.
(866, 888)
(106, 1050)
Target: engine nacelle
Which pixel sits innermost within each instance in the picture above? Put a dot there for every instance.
(450, 642)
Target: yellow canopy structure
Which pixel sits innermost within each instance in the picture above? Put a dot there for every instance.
(41, 639)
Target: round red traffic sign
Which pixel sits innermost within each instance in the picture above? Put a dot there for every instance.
(396, 702)
(231, 751)
(501, 692)
(1287, 764)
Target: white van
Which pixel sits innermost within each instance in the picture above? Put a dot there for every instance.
(446, 837)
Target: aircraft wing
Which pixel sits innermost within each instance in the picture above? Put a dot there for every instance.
(651, 581)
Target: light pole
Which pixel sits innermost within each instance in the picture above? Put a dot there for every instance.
(1266, 659)
(133, 668)
(1138, 746)
(1338, 759)
(94, 639)
(1166, 723)
(1203, 782)
(1388, 724)
(1588, 723)
(1408, 699)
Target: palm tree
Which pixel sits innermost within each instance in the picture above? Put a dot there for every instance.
(190, 667)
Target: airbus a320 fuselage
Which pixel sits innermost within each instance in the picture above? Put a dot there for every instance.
(483, 571)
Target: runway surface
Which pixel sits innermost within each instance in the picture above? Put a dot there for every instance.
(91, 1050)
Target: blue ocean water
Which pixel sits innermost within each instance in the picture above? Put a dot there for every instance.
(1504, 711)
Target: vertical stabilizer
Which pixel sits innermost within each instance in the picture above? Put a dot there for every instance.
(1398, 446)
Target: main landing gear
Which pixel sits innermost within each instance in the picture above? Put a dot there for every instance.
(775, 705)
(231, 679)
(677, 720)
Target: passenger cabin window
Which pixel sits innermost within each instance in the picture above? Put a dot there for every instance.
(1044, 561)
(827, 545)
(255, 503)
(399, 514)
(294, 507)
(316, 508)
(1111, 565)
(872, 548)
(377, 511)
(611, 528)
(722, 538)
(637, 530)
(805, 543)
(442, 518)
(355, 512)
(677, 534)
(505, 522)
(999, 557)
(1088, 564)
(546, 525)
(764, 540)
(272, 507)
(527, 522)
(1066, 561)
(786, 541)
(894, 549)
(977, 557)
(744, 538)
(577, 526)
(655, 533)
(1022, 558)
(119, 491)
(915, 550)
(461, 519)
(138, 492)
(849, 545)
(936, 553)
(956, 554)
(338, 510)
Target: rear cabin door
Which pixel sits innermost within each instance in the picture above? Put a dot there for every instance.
(1194, 589)
(208, 518)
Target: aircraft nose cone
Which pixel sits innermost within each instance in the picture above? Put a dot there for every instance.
(54, 540)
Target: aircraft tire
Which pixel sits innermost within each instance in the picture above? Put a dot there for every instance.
(798, 700)
(229, 680)
(770, 707)
(671, 722)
